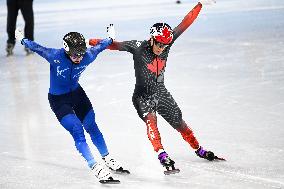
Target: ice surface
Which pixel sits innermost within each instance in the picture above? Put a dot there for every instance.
(226, 72)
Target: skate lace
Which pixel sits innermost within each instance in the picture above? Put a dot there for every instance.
(101, 173)
(111, 163)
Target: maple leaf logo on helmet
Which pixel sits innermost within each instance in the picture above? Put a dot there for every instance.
(162, 33)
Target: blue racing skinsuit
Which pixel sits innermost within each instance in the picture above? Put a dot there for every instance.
(67, 98)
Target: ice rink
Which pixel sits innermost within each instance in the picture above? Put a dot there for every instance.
(226, 72)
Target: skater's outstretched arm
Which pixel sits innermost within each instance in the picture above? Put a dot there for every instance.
(102, 44)
(33, 46)
(190, 17)
(187, 21)
(128, 46)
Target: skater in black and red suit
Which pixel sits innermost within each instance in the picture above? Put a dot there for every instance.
(150, 95)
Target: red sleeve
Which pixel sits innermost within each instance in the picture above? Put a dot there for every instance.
(187, 21)
(113, 46)
(128, 46)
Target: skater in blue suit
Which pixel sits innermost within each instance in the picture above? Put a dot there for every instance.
(69, 101)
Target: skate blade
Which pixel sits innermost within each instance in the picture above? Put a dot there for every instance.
(110, 181)
(219, 158)
(122, 171)
(170, 172)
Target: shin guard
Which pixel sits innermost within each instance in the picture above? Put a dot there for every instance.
(188, 136)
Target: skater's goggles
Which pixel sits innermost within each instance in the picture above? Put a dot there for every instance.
(160, 45)
(76, 56)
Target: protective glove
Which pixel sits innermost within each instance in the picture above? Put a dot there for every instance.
(87, 41)
(207, 2)
(111, 32)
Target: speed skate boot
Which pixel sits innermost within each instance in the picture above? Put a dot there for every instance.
(202, 153)
(210, 156)
(9, 49)
(28, 51)
(104, 176)
(165, 160)
(112, 164)
(168, 163)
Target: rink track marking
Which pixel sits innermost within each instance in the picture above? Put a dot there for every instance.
(227, 173)
(245, 177)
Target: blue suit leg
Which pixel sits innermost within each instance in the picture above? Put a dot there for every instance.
(72, 124)
(91, 127)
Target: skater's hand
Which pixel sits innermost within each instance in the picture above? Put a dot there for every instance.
(19, 34)
(111, 32)
(207, 2)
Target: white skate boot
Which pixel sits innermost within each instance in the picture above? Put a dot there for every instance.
(104, 176)
(114, 165)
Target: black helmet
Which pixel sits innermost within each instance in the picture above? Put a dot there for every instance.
(74, 44)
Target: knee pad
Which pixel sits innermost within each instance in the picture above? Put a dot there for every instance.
(89, 120)
(90, 124)
(176, 120)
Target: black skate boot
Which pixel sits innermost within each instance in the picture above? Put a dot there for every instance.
(28, 51)
(9, 49)
(168, 163)
(210, 156)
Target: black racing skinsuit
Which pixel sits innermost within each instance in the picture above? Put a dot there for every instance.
(150, 94)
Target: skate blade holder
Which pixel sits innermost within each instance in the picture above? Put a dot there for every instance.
(219, 158)
(122, 171)
(110, 181)
(171, 170)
